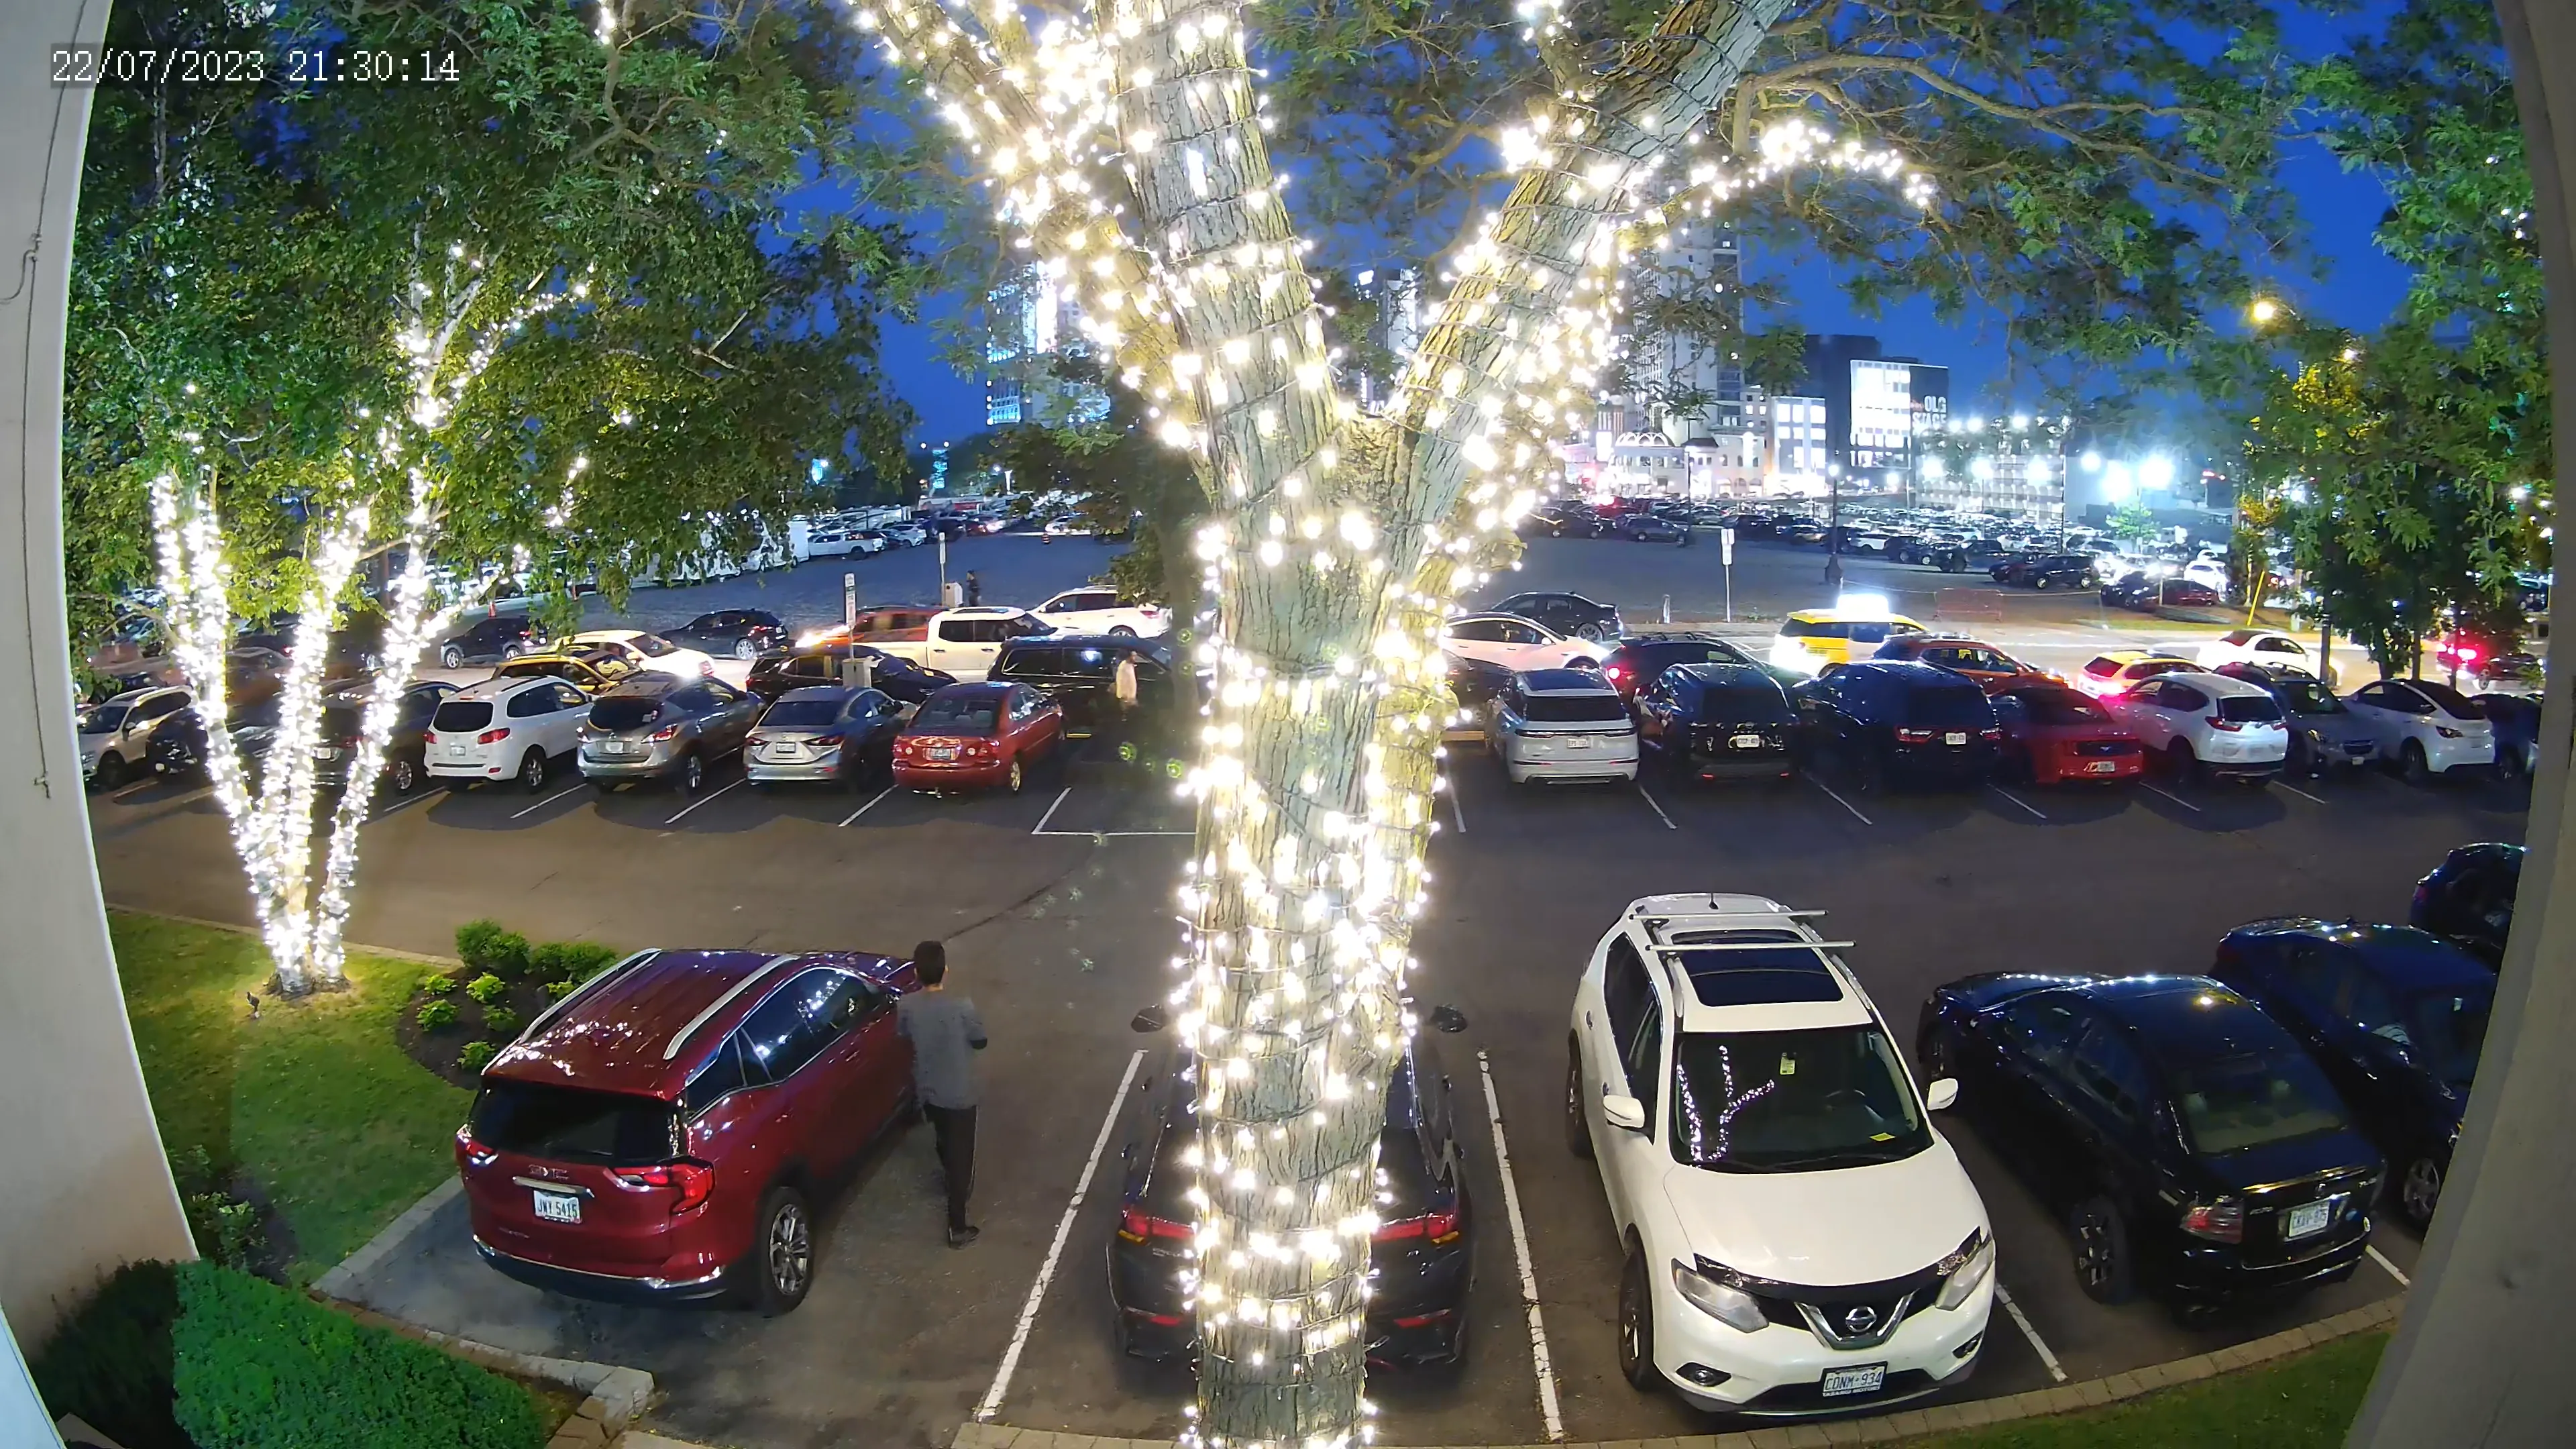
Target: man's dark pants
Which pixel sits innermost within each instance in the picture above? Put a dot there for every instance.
(953, 1129)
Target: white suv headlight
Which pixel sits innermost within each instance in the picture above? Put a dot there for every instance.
(1964, 1279)
(1724, 1302)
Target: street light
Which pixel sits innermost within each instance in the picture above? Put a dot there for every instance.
(2264, 311)
(2092, 461)
(2157, 473)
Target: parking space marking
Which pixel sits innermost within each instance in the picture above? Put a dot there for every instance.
(549, 800)
(137, 788)
(1521, 1251)
(2168, 794)
(2017, 800)
(992, 1403)
(1659, 810)
(1839, 800)
(404, 804)
(704, 800)
(1455, 812)
(2022, 1322)
(871, 805)
(2381, 1259)
(2295, 790)
(1040, 827)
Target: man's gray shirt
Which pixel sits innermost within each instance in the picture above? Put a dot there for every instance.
(945, 1034)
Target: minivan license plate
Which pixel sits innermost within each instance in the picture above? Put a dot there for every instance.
(1869, 1378)
(558, 1207)
(2310, 1218)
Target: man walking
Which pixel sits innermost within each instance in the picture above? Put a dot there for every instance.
(974, 589)
(945, 1034)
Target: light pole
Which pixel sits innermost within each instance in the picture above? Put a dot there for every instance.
(1834, 527)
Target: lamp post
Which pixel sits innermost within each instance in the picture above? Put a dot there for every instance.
(1834, 527)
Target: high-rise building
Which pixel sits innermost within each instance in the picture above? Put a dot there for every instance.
(1688, 425)
(1877, 408)
(1394, 330)
(1029, 324)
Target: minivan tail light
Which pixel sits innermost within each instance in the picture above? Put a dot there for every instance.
(694, 1180)
(493, 737)
(2222, 1221)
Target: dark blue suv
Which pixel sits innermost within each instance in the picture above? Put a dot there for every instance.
(1878, 721)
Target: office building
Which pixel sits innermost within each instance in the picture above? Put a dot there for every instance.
(1394, 329)
(1031, 324)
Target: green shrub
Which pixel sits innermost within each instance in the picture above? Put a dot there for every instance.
(500, 1022)
(435, 984)
(477, 1055)
(573, 961)
(561, 989)
(226, 1228)
(436, 1015)
(485, 946)
(109, 1362)
(486, 988)
(255, 1366)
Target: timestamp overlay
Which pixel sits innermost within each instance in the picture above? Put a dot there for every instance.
(85, 64)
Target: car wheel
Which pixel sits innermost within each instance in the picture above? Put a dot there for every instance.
(693, 772)
(1869, 772)
(2040, 583)
(745, 649)
(1578, 1132)
(451, 657)
(1122, 632)
(1591, 632)
(402, 775)
(782, 1253)
(532, 771)
(1016, 778)
(2412, 765)
(2180, 761)
(110, 772)
(2509, 764)
(2101, 1241)
(1637, 1323)
(2419, 1191)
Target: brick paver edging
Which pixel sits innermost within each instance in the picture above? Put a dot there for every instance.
(1885, 1429)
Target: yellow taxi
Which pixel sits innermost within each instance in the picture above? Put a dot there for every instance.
(1810, 639)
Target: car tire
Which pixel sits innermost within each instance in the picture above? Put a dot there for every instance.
(1122, 632)
(2509, 767)
(1588, 632)
(2180, 762)
(2411, 764)
(2419, 1192)
(110, 771)
(745, 649)
(781, 1263)
(1017, 779)
(402, 776)
(1637, 1323)
(532, 771)
(2104, 1267)
(1578, 1130)
(2040, 583)
(692, 773)
(1869, 772)
(451, 657)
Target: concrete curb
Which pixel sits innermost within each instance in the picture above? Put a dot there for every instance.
(341, 1282)
(238, 929)
(1886, 1429)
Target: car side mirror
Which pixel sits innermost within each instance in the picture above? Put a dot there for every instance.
(1151, 1019)
(1941, 1095)
(1448, 1019)
(1623, 1111)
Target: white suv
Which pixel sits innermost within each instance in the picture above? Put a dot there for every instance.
(1561, 724)
(2267, 647)
(2208, 724)
(2427, 728)
(504, 729)
(1097, 611)
(1798, 1237)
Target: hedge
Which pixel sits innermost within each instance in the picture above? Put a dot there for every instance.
(203, 1357)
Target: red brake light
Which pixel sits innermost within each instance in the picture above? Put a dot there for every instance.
(2220, 1222)
(1994, 732)
(666, 732)
(1914, 737)
(694, 1180)
(493, 737)
(2217, 723)
(826, 742)
(474, 1153)
(1136, 1225)
(756, 741)
(1439, 1227)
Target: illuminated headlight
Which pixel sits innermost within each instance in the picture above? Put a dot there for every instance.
(1790, 654)
(1724, 1302)
(1971, 1271)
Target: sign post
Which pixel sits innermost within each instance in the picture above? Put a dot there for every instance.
(850, 604)
(1726, 557)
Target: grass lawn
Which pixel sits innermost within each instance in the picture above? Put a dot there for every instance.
(315, 1100)
(2303, 1402)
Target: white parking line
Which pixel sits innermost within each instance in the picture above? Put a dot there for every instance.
(2295, 790)
(128, 792)
(2017, 800)
(2381, 1259)
(1040, 828)
(2038, 1344)
(1659, 810)
(704, 800)
(2168, 794)
(550, 799)
(406, 803)
(1455, 812)
(871, 805)
(992, 1402)
(1839, 800)
(1539, 1360)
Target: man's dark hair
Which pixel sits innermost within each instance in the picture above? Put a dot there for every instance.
(930, 959)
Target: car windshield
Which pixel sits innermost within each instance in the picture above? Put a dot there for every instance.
(2442, 1030)
(99, 719)
(1572, 708)
(1746, 705)
(1788, 1101)
(462, 716)
(572, 1124)
(2308, 696)
(2252, 1098)
(653, 646)
(956, 715)
(802, 712)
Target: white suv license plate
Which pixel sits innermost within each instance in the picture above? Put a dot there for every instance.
(2310, 1218)
(557, 1207)
(1869, 1378)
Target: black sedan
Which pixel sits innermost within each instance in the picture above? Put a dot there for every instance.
(1641, 659)
(1571, 615)
(1652, 528)
(177, 749)
(2188, 1142)
(1716, 722)
(343, 716)
(2468, 898)
(490, 638)
(1421, 1263)
(780, 670)
(741, 633)
(2393, 1014)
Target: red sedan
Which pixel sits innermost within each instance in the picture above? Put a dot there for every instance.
(2053, 733)
(974, 735)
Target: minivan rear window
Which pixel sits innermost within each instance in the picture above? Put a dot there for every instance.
(2249, 709)
(575, 1124)
(624, 711)
(1571, 708)
(462, 716)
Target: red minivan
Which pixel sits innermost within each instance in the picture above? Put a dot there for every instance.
(660, 1134)
(971, 735)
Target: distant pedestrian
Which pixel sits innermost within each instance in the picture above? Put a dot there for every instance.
(945, 1034)
(1122, 686)
(974, 589)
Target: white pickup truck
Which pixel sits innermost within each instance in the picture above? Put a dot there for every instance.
(960, 642)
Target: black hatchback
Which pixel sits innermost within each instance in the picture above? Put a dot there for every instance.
(1421, 1263)
(1571, 615)
(1716, 722)
(2394, 1015)
(1884, 720)
(2468, 898)
(2187, 1141)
